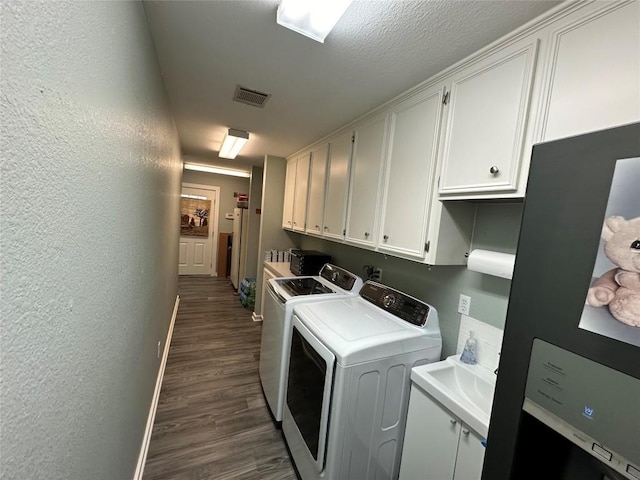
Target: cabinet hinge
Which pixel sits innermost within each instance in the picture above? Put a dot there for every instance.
(344, 232)
(427, 245)
(445, 97)
(353, 138)
(438, 182)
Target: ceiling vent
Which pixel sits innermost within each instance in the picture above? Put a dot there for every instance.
(250, 97)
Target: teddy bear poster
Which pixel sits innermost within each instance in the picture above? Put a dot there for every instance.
(612, 304)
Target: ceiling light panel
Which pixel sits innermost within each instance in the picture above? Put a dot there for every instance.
(218, 170)
(311, 18)
(233, 142)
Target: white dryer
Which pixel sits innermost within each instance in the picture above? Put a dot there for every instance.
(282, 295)
(349, 380)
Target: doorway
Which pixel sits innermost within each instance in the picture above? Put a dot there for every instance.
(199, 209)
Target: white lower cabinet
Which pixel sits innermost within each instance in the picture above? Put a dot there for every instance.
(437, 446)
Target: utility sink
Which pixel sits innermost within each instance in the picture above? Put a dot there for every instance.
(466, 390)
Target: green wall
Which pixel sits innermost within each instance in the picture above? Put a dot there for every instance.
(497, 228)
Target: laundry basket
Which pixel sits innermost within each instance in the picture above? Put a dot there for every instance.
(248, 292)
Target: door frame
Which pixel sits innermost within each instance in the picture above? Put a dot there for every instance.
(215, 216)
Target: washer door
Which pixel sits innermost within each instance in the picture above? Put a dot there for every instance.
(309, 389)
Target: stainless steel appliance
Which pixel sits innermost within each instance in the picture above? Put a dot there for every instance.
(307, 262)
(281, 296)
(567, 396)
(349, 378)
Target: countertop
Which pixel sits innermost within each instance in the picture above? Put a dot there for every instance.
(280, 269)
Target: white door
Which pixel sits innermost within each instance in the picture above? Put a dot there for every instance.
(486, 122)
(317, 184)
(301, 191)
(335, 206)
(366, 168)
(410, 170)
(198, 229)
(289, 192)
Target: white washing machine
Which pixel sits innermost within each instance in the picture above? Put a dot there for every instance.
(282, 295)
(349, 380)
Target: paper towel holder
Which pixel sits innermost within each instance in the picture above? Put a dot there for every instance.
(493, 263)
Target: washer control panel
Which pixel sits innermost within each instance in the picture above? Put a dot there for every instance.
(401, 305)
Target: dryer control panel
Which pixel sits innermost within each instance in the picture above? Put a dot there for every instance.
(400, 304)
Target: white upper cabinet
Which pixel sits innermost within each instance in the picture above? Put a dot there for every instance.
(592, 77)
(301, 191)
(337, 184)
(410, 173)
(486, 120)
(366, 176)
(317, 181)
(289, 192)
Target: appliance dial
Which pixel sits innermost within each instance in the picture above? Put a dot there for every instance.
(388, 300)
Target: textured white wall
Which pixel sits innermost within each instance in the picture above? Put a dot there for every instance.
(89, 201)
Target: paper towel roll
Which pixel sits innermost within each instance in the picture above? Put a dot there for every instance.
(492, 263)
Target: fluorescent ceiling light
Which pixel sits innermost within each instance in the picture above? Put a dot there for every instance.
(218, 170)
(312, 18)
(233, 142)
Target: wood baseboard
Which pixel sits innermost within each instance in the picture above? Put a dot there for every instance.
(146, 439)
(256, 318)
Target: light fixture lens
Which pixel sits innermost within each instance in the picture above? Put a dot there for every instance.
(218, 170)
(311, 18)
(233, 142)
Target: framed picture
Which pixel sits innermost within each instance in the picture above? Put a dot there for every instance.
(612, 306)
(194, 217)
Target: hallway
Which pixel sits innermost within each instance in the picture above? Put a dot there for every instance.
(212, 421)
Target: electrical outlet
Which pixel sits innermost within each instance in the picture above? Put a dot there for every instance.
(464, 304)
(159, 348)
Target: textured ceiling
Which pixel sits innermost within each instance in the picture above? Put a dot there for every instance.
(376, 51)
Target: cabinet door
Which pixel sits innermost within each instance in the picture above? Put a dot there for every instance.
(593, 72)
(430, 440)
(410, 171)
(337, 184)
(470, 456)
(317, 178)
(300, 195)
(289, 191)
(366, 175)
(488, 107)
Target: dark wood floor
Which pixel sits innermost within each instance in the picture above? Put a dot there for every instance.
(212, 421)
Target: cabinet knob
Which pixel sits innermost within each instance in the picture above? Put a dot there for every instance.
(465, 431)
(366, 234)
(494, 170)
(326, 228)
(453, 421)
(318, 227)
(289, 222)
(295, 223)
(385, 238)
